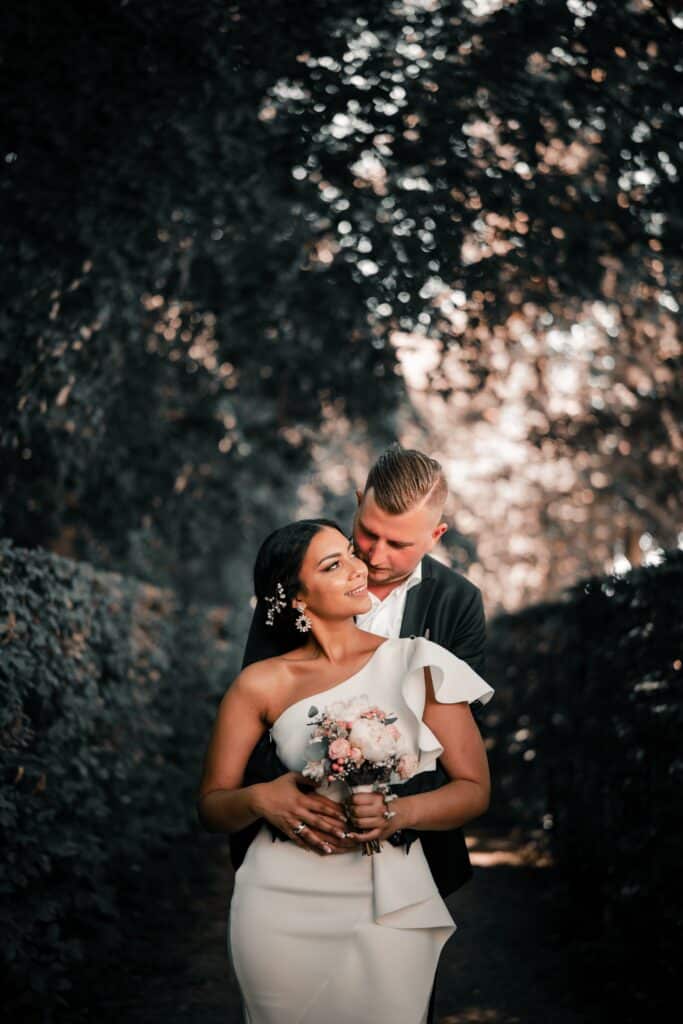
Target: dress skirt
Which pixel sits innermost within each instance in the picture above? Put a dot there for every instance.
(306, 948)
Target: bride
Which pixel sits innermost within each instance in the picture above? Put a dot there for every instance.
(322, 931)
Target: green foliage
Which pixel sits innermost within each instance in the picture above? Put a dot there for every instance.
(161, 331)
(216, 218)
(587, 730)
(108, 691)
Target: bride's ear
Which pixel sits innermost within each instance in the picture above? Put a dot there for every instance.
(359, 496)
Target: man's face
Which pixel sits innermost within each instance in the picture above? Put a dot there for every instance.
(392, 545)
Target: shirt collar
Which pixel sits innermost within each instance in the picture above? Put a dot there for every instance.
(415, 576)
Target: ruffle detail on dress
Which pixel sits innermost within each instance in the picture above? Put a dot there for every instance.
(404, 892)
(453, 681)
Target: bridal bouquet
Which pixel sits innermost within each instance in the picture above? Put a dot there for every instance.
(361, 746)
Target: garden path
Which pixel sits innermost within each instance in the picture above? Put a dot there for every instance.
(506, 964)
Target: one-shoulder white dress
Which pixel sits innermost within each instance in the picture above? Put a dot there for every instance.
(348, 938)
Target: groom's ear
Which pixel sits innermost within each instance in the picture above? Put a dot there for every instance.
(439, 532)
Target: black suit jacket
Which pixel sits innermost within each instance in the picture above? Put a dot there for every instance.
(444, 607)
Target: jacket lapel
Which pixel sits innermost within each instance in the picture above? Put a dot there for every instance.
(418, 600)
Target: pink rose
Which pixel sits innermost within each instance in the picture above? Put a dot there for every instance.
(339, 749)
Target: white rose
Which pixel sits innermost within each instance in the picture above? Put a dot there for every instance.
(373, 738)
(315, 771)
(348, 710)
(356, 706)
(403, 746)
(337, 710)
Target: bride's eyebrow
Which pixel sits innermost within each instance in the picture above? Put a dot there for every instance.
(337, 554)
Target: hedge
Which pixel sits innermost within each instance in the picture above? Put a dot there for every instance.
(108, 691)
(109, 687)
(585, 744)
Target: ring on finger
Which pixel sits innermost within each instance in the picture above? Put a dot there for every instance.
(299, 828)
(389, 815)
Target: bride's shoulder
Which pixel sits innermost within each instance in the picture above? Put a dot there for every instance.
(256, 680)
(261, 671)
(281, 666)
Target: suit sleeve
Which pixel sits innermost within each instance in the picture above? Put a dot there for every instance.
(260, 642)
(468, 639)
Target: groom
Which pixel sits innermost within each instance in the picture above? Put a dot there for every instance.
(397, 523)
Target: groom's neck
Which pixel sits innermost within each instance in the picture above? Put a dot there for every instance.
(382, 590)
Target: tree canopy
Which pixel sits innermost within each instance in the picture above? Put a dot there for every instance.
(226, 227)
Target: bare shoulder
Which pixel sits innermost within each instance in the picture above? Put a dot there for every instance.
(265, 685)
(257, 679)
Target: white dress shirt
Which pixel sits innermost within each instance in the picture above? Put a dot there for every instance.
(384, 617)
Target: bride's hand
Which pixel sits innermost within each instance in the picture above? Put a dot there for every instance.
(286, 807)
(369, 817)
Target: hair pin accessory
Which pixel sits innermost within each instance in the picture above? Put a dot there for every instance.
(275, 604)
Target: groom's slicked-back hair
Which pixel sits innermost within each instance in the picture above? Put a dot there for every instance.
(402, 478)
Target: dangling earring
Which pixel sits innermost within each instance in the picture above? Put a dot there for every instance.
(303, 623)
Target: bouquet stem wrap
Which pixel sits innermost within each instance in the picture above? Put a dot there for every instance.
(372, 845)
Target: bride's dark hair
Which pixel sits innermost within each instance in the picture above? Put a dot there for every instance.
(279, 562)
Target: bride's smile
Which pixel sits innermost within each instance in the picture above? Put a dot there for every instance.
(334, 581)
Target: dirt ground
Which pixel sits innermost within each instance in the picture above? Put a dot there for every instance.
(504, 965)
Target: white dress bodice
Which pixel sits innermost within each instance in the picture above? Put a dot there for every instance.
(393, 679)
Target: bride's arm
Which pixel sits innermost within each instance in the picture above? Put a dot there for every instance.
(452, 805)
(464, 759)
(224, 804)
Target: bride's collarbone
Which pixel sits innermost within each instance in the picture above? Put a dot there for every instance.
(310, 676)
(298, 670)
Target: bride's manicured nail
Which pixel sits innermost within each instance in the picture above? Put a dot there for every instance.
(328, 849)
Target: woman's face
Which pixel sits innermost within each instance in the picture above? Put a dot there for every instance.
(333, 580)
